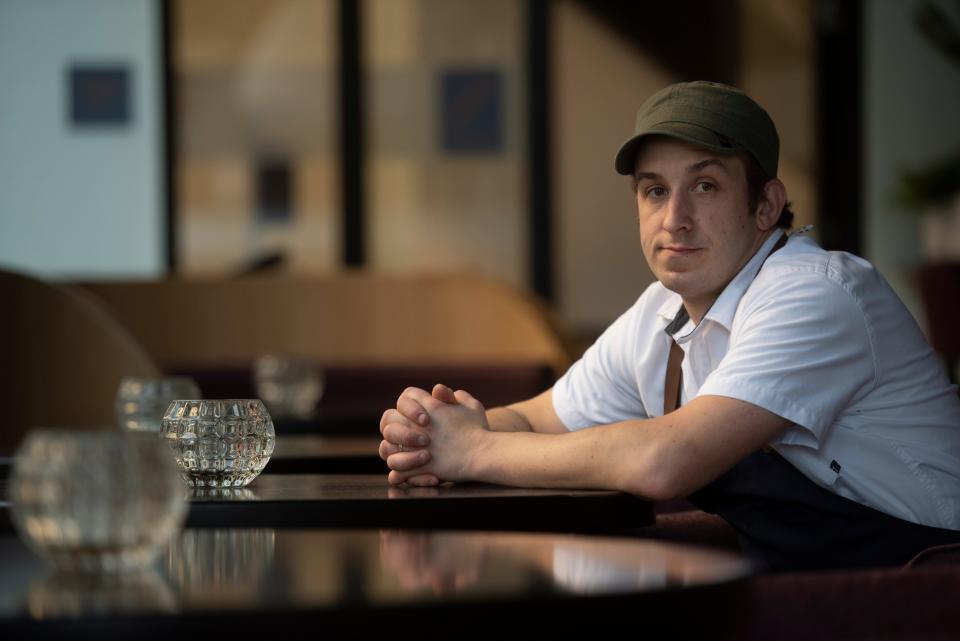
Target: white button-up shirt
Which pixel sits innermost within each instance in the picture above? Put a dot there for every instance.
(816, 337)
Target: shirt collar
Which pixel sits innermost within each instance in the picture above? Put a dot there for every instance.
(725, 307)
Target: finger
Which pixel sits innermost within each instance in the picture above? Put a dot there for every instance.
(413, 392)
(411, 490)
(397, 478)
(424, 480)
(393, 416)
(403, 434)
(412, 410)
(406, 461)
(427, 402)
(443, 393)
(386, 449)
(464, 398)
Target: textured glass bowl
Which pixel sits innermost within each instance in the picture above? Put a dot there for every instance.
(141, 402)
(290, 386)
(219, 443)
(96, 501)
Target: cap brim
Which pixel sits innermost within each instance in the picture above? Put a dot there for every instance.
(626, 157)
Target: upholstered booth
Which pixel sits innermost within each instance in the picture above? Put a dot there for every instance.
(372, 334)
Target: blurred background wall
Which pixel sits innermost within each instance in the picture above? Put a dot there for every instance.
(910, 119)
(246, 162)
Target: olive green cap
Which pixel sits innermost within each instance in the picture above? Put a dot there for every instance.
(708, 114)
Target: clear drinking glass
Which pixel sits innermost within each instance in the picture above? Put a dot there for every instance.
(219, 443)
(290, 386)
(141, 401)
(103, 501)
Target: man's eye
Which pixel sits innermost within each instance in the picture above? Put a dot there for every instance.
(656, 192)
(704, 186)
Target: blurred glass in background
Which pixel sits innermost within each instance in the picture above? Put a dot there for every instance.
(141, 401)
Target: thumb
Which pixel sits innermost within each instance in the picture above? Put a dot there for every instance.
(443, 393)
(465, 398)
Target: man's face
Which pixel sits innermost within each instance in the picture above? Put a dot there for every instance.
(695, 226)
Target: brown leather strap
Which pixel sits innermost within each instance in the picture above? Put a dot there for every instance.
(672, 383)
(671, 386)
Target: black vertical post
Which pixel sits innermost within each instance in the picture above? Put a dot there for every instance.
(839, 116)
(538, 126)
(351, 134)
(167, 88)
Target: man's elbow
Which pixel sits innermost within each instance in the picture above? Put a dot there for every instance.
(653, 481)
(658, 467)
(653, 489)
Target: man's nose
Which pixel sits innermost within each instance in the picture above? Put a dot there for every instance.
(678, 214)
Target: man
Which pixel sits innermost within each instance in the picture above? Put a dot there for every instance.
(811, 413)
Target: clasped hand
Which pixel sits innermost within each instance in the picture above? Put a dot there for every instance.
(432, 437)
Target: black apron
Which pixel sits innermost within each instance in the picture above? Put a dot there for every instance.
(785, 521)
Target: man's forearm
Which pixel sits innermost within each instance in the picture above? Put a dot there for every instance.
(657, 458)
(604, 457)
(504, 419)
(532, 415)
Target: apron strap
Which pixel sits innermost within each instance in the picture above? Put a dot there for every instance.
(671, 387)
(673, 381)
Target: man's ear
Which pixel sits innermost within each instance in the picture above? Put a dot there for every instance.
(770, 204)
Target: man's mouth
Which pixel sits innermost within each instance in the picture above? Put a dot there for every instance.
(679, 250)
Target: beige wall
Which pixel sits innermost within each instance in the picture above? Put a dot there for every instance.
(430, 211)
(777, 69)
(911, 101)
(598, 83)
(255, 79)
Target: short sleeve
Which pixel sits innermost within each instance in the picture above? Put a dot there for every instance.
(601, 387)
(800, 348)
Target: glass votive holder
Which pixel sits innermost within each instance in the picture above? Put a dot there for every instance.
(290, 386)
(219, 443)
(101, 502)
(140, 402)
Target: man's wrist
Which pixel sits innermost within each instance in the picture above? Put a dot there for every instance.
(478, 461)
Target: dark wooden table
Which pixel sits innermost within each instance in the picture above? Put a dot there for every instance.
(381, 584)
(367, 500)
(361, 500)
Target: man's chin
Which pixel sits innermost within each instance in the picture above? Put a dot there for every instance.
(677, 282)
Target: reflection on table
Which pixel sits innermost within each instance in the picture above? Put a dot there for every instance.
(365, 580)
